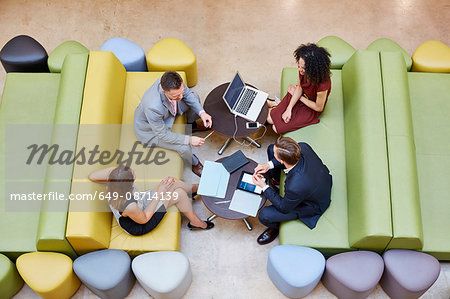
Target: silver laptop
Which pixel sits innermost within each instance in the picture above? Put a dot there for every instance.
(243, 100)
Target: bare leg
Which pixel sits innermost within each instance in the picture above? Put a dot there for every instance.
(269, 119)
(184, 204)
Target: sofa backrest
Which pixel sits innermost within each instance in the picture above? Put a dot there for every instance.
(404, 185)
(51, 235)
(89, 222)
(369, 209)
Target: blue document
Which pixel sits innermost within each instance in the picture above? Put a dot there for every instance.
(214, 180)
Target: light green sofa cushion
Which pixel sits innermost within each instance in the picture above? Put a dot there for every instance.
(51, 234)
(56, 58)
(27, 99)
(405, 202)
(386, 44)
(430, 108)
(339, 50)
(369, 208)
(330, 235)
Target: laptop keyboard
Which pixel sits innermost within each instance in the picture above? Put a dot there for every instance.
(246, 101)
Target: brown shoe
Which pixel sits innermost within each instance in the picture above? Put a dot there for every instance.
(199, 126)
(268, 236)
(198, 169)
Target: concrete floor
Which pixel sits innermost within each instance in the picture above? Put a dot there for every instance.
(226, 261)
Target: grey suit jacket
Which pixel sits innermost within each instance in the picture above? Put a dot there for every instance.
(154, 117)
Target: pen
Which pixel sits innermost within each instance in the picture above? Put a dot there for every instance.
(223, 201)
(209, 134)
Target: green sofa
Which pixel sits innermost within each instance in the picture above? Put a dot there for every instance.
(38, 101)
(384, 137)
(350, 140)
(418, 129)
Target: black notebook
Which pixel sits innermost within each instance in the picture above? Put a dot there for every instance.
(235, 161)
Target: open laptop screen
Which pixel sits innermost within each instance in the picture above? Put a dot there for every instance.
(234, 90)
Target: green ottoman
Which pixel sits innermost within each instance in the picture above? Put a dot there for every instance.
(10, 280)
(386, 44)
(339, 50)
(56, 58)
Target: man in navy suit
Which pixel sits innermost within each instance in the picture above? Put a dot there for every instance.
(307, 189)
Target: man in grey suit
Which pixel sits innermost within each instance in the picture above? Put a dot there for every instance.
(167, 98)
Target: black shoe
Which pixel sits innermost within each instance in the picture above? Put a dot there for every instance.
(193, 195)
(268, 236)
(209, 225)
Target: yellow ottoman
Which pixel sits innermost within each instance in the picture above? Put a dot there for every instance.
(431, 56)
(49, 274)
(171, 54)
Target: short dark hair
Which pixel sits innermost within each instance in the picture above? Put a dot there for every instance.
(317, 62)
(288, 150)
(171, 80)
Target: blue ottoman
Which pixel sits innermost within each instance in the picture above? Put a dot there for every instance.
(107, 273)
(24, 54)
(295, 270)
(131, 55)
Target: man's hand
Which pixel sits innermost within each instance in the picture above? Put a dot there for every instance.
(258, 180)
(196, 141)
(262, 168)
(207, 120)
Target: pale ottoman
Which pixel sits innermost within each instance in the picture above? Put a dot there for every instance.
(107, 273)
(353, 275)
(131, 55)
(10, 280)
(408, 274)
(164, 274)
(171, 54)
(49, 274)
(295, 270)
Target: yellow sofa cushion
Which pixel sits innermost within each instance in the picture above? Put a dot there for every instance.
(431, 56)
(49, 274)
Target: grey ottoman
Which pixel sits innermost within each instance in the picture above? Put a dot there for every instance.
(107, 273)
(24, 54)
(163, 274)
(353, 275)
(408, 274)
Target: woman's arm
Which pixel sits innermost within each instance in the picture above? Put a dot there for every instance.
(101, 176)
(319, 104)
(286, 116)
(140, 216)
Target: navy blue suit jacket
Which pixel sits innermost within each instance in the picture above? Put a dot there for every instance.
(307, 188)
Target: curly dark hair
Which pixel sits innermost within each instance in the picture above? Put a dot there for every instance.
(317, 62)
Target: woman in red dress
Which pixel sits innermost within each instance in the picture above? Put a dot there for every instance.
(304, 102)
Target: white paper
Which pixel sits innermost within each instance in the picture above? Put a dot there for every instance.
(214, 180)
(245, 202)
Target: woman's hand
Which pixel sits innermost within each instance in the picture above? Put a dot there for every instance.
(165, 185)
(286, 116)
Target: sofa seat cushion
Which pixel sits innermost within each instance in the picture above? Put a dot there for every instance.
(430, 106)
(27, 99)
(166, 236)
(327, 139)
(386, 44)
(339, 50)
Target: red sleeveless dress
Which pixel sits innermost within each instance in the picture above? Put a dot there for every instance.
(302, 115)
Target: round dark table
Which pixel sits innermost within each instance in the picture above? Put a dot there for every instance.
(222, 209)
(224, 120)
